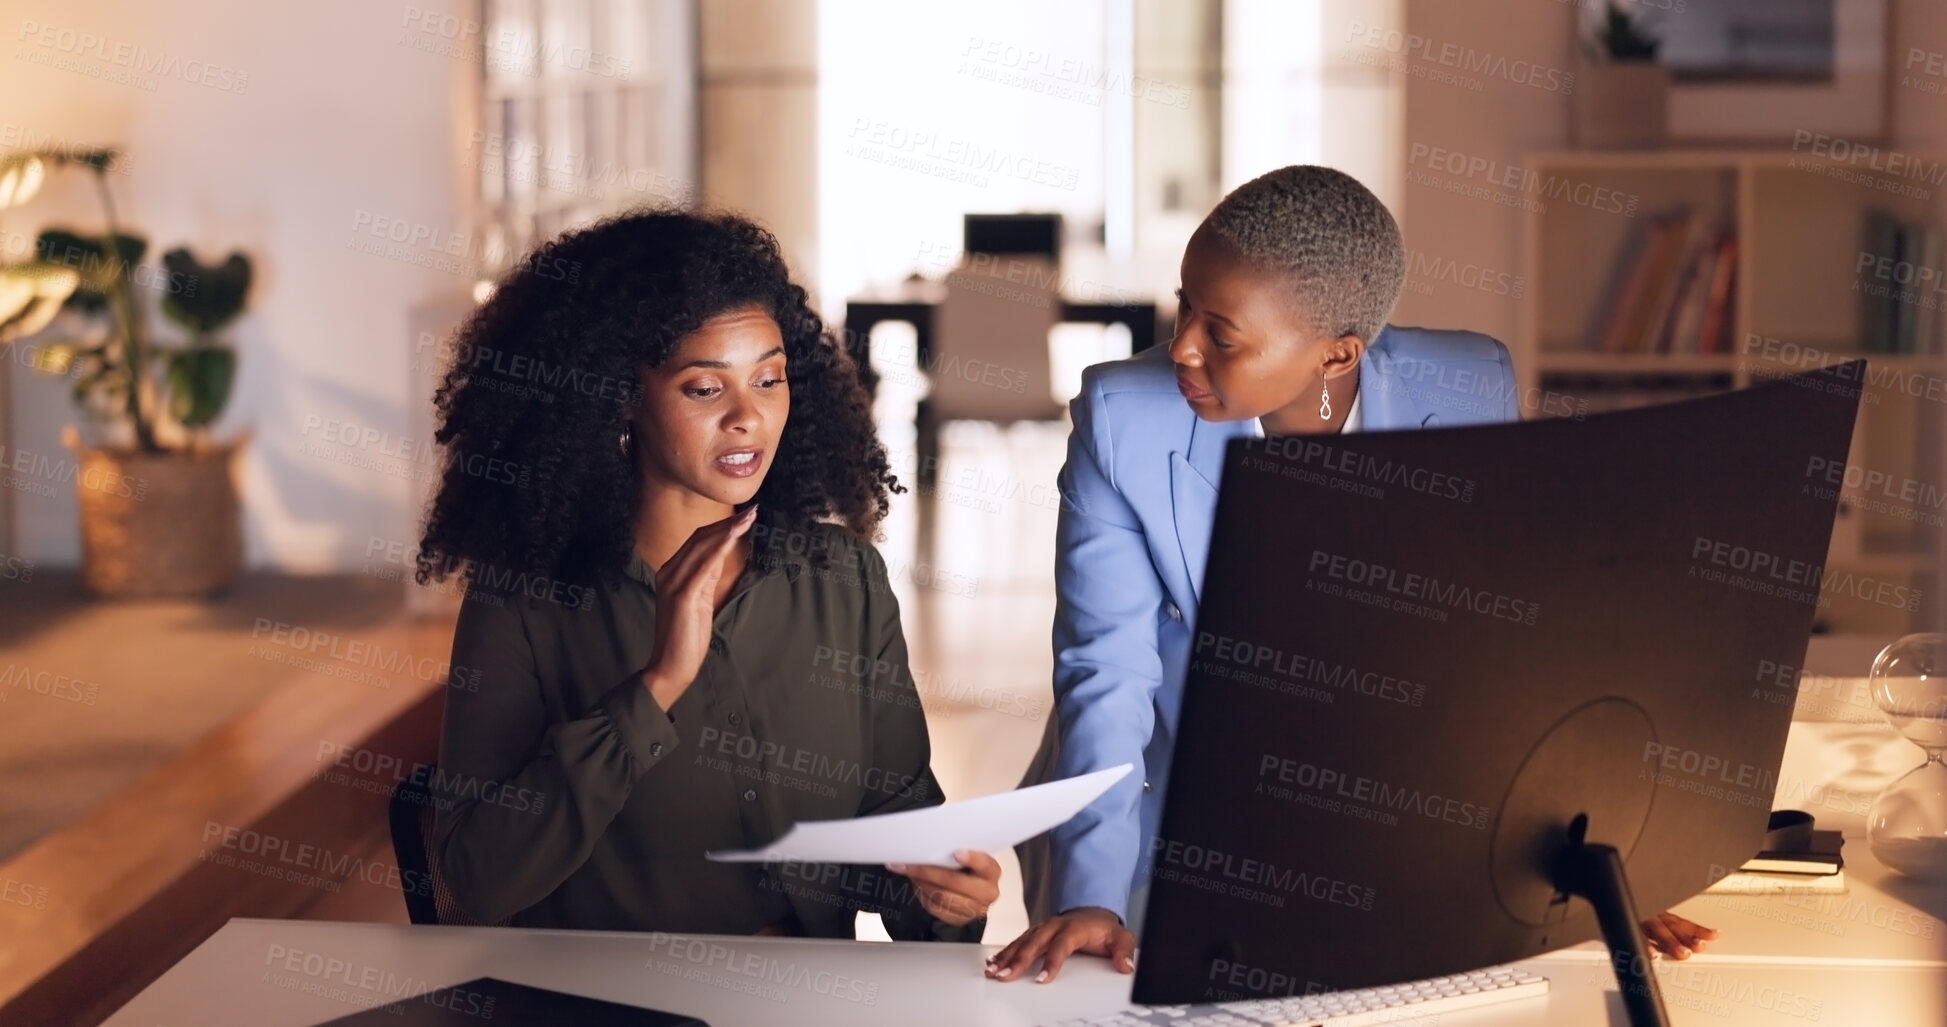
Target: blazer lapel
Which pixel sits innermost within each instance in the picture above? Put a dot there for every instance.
(1193, 493)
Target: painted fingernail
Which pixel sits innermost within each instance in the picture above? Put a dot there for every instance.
(897, 868)
(1041, 978)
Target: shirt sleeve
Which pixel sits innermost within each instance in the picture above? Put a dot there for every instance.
(1108, 665)
(520, 800)
(900, 749)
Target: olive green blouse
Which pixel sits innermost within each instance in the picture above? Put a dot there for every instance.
(567, 797)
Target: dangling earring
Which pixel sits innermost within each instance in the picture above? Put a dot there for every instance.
(628, 433)
(1325, 401)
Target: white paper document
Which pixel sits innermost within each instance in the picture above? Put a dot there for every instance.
(930, 836)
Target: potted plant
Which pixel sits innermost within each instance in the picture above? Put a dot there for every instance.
(1622, 95)
(157, 494)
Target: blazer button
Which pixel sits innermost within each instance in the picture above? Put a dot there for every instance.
(717, 646)
(750, 795)
(1175, 614)
(655, 748)
(735, 720)
(1145, 786)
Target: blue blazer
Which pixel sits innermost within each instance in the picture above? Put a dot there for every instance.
(1140, 496)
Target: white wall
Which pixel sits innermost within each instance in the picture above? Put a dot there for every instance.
(335, 118)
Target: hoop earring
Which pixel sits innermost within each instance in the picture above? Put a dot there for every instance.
(628, 436)
(1325, 401)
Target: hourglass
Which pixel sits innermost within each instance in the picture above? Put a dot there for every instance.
(1907, 826)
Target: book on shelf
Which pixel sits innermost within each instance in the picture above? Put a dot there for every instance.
(1628, 279)
(1683, 331)
(1898, 317)
(1715, 335)
(1669, 289)
(1672, 281)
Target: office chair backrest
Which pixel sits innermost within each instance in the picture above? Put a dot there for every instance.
(990, 359)
(427, 899)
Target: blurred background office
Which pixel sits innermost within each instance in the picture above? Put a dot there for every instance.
(215, 667)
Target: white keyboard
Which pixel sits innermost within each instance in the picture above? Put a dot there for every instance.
(1408, 1003)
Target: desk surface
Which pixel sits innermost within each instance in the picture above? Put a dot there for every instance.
(277, 972)
(1876, 955)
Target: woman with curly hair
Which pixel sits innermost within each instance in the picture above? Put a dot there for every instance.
(660, 481)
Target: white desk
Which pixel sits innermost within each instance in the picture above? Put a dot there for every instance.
(1777, 962)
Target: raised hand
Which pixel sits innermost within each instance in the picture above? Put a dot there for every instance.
(686, 605)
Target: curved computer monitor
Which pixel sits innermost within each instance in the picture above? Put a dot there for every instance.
(1421, 656)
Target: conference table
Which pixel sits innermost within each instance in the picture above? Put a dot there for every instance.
(915, 301)
(1876, 955)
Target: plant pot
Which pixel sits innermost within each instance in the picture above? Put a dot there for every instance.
(158, 524)
(1622, 105)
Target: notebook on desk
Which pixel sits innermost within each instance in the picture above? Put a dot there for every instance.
(489, 1000)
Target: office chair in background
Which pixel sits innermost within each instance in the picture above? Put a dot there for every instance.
(427, 899)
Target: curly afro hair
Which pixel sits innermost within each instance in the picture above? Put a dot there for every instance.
(545, 375)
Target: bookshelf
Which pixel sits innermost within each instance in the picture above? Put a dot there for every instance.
(1794, 304)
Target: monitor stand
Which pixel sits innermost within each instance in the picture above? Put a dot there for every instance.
(1594, 872)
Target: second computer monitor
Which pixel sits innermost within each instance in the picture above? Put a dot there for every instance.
(1420, 655)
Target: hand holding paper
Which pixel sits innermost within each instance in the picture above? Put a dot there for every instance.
(930, 836)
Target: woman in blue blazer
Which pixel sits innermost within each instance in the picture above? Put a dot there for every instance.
(1281, 330)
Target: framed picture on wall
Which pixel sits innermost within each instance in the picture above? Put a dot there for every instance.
(1763, 71)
